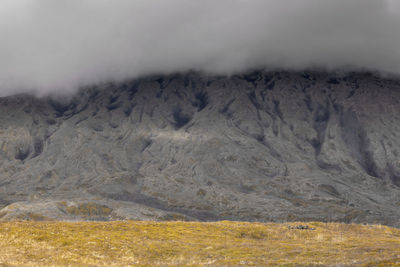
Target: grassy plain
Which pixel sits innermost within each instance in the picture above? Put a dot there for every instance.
(191, 243)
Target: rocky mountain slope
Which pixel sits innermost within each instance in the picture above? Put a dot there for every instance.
(265, 146)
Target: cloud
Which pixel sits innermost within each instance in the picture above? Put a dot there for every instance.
(52, 46)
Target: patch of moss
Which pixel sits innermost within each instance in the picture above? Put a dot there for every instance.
(85, 210)
(31, 216)
(173, 217)
(89, 210)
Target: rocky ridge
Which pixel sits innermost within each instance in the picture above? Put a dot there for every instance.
(261, 146)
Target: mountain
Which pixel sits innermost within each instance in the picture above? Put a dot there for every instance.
(260, 146)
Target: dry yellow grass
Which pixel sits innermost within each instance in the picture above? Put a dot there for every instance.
(192, 243)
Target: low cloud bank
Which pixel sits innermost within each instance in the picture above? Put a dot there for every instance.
(52, 46)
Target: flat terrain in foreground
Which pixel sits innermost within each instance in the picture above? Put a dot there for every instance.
(192, 243)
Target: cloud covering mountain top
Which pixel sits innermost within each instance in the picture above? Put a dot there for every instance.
(52, 46)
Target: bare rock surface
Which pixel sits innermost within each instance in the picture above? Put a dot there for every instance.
(262, 146)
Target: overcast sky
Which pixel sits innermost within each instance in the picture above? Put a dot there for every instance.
(58, 45)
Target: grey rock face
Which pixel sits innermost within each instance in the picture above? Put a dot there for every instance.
(260, 146)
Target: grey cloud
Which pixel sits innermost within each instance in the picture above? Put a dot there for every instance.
(49, 46)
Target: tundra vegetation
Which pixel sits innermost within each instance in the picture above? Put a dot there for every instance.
(225, 243)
